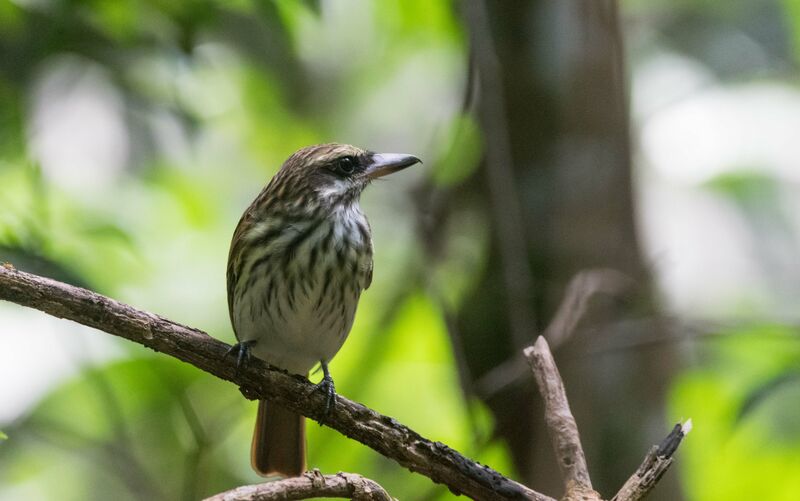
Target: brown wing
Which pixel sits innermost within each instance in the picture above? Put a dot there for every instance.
(368, 238)
(368, 281)
(237, 243)
(235, 257)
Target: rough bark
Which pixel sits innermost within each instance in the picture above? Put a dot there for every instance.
(655, 464)
(563, 429)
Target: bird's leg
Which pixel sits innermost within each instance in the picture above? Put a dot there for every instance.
(326, 386)
(242, 352)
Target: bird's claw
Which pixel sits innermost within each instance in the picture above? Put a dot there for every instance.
(327, 387)
(329, 390)
(242, 352)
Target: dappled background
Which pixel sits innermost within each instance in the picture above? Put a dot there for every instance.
(650, 148)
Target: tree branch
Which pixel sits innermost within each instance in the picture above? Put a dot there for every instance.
(560, 423)
(567, 443)
(655, 464)
(258, 381)
(311, 484)
(580, 289)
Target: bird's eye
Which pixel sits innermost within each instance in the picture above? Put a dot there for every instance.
(346, 165)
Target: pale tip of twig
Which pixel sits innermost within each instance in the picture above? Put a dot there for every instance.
(538, 346)
(686, 427)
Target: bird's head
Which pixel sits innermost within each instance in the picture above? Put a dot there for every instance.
(335, 173)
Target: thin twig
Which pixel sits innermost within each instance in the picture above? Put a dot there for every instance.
(655, 464)
(560, 423)
(311, 484)
(259, 381)
(581, 288)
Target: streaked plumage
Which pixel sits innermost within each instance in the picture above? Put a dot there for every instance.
(300, 257)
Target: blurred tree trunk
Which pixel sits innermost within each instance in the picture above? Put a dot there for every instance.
(551, 99)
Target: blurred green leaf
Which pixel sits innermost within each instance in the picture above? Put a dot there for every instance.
(745, 186)
(99, 229)
(10, 16)
(792, 8)
(729, 457)
(462, 153)
(766, 390)
(141, 427)
(121, 20)
(28, 260)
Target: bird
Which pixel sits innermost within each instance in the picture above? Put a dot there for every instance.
(299, 259)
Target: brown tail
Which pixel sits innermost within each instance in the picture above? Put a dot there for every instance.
(279, 442)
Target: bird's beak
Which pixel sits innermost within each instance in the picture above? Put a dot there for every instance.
(383, 164)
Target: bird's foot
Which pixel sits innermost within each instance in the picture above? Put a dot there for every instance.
(242, 352)
(327, 387)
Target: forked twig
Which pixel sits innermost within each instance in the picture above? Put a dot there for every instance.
(567, 443)
(655, 464)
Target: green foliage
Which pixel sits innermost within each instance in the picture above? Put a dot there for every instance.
(462, 155)
(746, 440)
(213, 96)
(793, 18)
(744, 186)
(138, 428)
